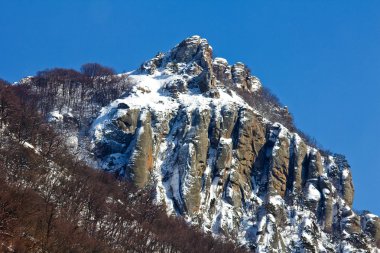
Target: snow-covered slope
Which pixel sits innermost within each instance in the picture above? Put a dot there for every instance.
(215, 160)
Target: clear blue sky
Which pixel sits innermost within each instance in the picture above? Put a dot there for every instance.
(322, 58)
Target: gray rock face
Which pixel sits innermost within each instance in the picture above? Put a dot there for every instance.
(241, 77)
(128, 122)
(298, 152)
(197, 145)
(327, 205)
(205, 81)
(348, 187)
(315, 168)
(371, 225)
(215, 160)
(193, 49)
(223, 157)
(222, 71)
(279, 168)
(140, 162)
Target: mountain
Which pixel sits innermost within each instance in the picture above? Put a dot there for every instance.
(217, 148)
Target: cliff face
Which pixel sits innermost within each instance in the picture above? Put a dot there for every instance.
(222, 164)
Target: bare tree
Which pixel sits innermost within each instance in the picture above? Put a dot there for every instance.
(93, 70)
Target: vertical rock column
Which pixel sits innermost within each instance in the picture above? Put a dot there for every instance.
(194, 165)
(141, 160)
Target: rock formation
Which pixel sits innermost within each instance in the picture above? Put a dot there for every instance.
(221, 164)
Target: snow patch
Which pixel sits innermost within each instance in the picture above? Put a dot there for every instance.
(312, 193)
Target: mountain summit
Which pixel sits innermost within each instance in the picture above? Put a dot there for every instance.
(222, 152)
(219, 162)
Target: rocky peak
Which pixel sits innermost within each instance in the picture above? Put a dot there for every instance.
(193, 49)
(193, 60)
(215, 160)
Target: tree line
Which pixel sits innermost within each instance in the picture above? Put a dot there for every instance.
(82, 92)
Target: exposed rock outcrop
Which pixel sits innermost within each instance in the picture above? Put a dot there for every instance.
(217, 161)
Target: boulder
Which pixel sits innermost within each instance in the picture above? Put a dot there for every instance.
(128, 122)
